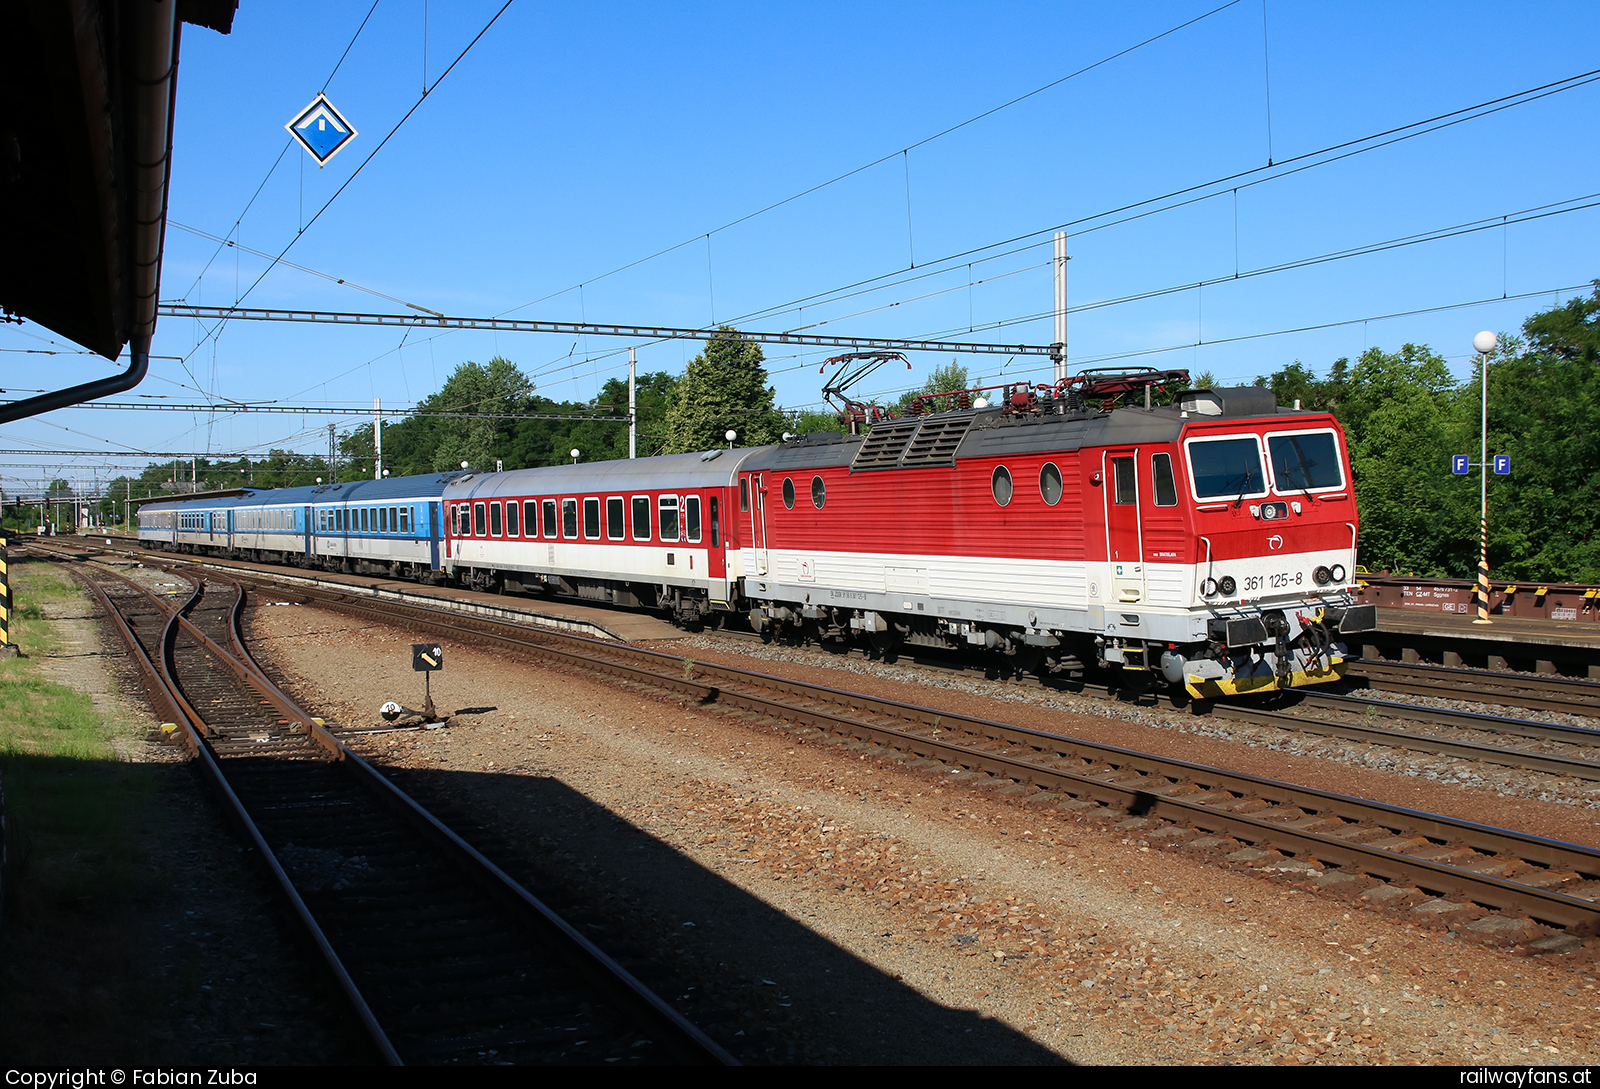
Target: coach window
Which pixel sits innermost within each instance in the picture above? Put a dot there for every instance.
(614, 508)
(364, 513)
(1050, 483)
(569, 519)
(513, 523)
(744, 493)
(394, 519)
(406, 520)
(716, 535)
(495, 526)
(691, 518)
(641, 517)
(788, 493)
(1000, 485)
(383, 519)
(1166, 487)
(549, 509)
(530, 512)
(480, 519)
(591, 519)
(1127, 487)
(669, 517)
(819, 492)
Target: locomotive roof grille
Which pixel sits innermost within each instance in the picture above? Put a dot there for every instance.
(936, 441)
(923, 441)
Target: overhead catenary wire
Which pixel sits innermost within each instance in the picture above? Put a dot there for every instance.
(373, 154)
(1087, 224)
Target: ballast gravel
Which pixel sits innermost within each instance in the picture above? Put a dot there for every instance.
(815, 901)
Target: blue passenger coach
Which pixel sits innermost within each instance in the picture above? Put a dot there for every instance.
(381, 527)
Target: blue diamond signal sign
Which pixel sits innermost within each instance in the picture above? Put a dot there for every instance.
(321, 129)
(1458, 464)
(1502, 464)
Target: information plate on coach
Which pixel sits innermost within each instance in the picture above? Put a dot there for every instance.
(427, 657)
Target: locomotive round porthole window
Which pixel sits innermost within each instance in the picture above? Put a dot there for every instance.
(1000, 485)
(819, 492)
(788, 493)
(1050, 483)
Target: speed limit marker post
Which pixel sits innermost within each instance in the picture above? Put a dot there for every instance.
(425, 658)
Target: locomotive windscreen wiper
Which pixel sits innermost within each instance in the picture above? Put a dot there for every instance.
(1249, 475)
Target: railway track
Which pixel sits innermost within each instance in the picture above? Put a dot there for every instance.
(1557, 883)
(1561, 750)
(1561, 694)
(1316, 833)
(442, 957)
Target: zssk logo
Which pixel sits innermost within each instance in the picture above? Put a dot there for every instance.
(1275, 542)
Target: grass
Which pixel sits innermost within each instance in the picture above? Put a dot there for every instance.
(73, 861)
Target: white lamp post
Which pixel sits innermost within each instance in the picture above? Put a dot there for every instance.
(574, 453)
(730, 436)
(1484, 343)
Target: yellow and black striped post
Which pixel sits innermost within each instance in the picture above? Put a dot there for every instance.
(7, 648)
(1483, 573)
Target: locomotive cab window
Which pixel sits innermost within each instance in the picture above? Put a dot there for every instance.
(569, 519)
(641, 517)
(1305, 461)
(614, 527)
(1000, 485)
(1127, 486)
(669, 517)
(1161, 473)
(1226, 468)
(591, 519)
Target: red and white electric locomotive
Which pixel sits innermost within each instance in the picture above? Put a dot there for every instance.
(1210, 542)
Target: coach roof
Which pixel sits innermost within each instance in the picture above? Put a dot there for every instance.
(670, 473)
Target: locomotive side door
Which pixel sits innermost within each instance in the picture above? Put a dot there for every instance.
(758, 520)
(1124, 547)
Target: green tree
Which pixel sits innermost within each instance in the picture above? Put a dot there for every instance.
(429, 444)
(1544, 411)
(946, 379)
(810, 420)
(723, 388)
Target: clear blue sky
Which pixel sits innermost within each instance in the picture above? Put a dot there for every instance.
(574, 139)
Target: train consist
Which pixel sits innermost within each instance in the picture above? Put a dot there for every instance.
(1209, 543)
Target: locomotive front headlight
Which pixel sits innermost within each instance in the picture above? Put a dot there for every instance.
(1228, 586)
(1338, 572)
(1208, 588)
(1322, 575)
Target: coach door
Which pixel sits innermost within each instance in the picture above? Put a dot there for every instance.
(1124, 548)
(758, 520)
